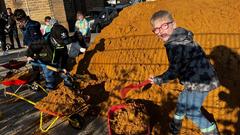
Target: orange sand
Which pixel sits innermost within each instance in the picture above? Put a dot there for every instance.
(132, 120)
(62, 101)
(127, 52)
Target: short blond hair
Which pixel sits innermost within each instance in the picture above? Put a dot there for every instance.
(161, 14)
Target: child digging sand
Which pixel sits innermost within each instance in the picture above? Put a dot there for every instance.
(188, 63)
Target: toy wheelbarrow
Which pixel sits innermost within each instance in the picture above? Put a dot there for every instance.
(22, 80)
(76, 120)
(28, 80)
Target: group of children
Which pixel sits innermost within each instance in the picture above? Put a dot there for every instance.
(187, 61)
(81, 25)
(48, 49)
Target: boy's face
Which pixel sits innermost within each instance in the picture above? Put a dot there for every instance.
(80, 17)
(163, 28)
(9, 11)
(47, 21)
(21, 23)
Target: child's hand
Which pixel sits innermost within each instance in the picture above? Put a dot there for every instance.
(29, 59)
(151, 79)
(64, 71)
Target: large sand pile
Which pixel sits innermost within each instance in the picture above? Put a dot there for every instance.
(127, 52)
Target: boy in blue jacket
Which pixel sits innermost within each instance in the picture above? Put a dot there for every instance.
(188, 63)
(30, 28)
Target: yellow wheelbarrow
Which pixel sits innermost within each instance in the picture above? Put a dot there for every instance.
(76, 118)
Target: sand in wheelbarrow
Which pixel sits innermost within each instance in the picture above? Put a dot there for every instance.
(132, 120)
(61, 102)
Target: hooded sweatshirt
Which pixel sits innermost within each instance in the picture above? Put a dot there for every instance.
(188, 63)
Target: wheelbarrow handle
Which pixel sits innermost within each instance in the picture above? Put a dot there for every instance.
(20, 97)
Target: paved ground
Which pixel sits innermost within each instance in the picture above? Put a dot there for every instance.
(19, 117)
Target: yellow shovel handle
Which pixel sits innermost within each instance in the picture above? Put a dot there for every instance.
(52, 68)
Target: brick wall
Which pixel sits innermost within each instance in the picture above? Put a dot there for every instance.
(58, 11)
(38, 9)
(63, 10)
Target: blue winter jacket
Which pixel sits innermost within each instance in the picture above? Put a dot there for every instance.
(31, 32)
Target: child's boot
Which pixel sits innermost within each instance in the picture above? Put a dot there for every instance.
(214, 132)
(174, 127)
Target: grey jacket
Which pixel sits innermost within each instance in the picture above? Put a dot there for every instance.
(188, 63)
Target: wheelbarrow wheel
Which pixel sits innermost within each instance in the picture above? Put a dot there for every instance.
(34, 86)
(76, 121)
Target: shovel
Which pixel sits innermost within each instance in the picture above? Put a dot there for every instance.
(125, 90)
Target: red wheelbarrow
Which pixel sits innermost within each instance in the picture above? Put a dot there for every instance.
(24, 80)
(11, 66)
(123, 94)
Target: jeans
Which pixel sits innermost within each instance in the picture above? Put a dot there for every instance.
(51, 78)
(189, 105)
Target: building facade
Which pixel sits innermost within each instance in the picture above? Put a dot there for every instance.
(63, 10)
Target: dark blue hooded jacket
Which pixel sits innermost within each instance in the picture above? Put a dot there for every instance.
(188, 63)
(31, 32)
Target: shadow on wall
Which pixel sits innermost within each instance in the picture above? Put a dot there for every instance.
(84, 63)
(227, 66)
